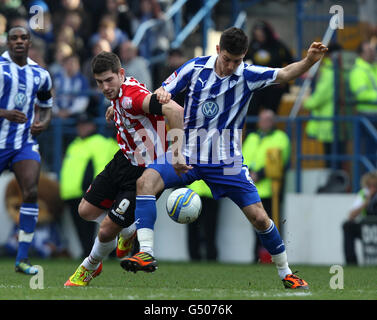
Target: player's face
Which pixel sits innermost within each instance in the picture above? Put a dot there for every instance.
(110, 82)
(18, 43)
(227, 63)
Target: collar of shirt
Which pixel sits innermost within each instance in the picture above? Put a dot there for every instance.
(211, 62)
(7, 56)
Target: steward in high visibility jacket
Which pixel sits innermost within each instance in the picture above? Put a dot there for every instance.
(255, 150)
(363, 79)
(85, 158)
(321, 104)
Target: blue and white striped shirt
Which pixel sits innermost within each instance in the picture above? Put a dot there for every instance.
(216, 107)
(18, 91)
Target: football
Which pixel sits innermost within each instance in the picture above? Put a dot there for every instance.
(184, 205)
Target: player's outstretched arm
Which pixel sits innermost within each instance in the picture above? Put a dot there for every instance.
(292, 71)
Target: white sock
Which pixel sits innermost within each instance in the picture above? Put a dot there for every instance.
(129, 231)
(99, 251)
(145, 237)
(281, 262)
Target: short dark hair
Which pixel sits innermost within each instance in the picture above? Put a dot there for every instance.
(234, 40)
(105, 61)
(19, 27)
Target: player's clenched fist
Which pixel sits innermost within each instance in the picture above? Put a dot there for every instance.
(316, 51)
(163, 96)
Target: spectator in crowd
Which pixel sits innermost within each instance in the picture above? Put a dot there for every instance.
(99, 46)
(73, 14)
(202, 232)
(321, 103)
(363, 85)
(96, 100)
(71, 4)
(255, 151)
(363, 206)
(121, 12)
(156, 40)
(363, 79)
(62, 51)
(12, 9)
(86, 156)
(71, 86)
(108, 30)
(135, 65)
(266, 49)
(3, 33)
(174, 60)
(43, 30)
(36, 54)
(67, 34)
(74, 20)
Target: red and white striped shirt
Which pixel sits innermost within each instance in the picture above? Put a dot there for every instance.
(141, 136)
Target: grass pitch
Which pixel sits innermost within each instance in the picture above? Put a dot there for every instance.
(185, 281)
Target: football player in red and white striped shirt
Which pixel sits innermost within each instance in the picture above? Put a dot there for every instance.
(141, 135)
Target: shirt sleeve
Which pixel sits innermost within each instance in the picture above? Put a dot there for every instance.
(180, 78)
(134, 96)
(45, 87)
(258, 77)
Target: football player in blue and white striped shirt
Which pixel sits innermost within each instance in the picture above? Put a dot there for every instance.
(218, 91)
(23, 83)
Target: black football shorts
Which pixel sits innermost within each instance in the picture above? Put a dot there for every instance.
(114, 189)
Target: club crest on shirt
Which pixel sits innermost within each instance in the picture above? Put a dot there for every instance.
(20, 100)
(171, 77)
(37, 80)
(210, 109)
(127, 102)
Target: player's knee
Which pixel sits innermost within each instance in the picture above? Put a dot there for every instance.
(84, 211)
(146, 184)
(142, 185)
(261, 221)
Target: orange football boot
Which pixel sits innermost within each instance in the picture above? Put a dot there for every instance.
(291, 281)
(141, 261)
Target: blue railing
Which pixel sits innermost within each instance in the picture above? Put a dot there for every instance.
(202, 15)
(360, 161)
(174, 13)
